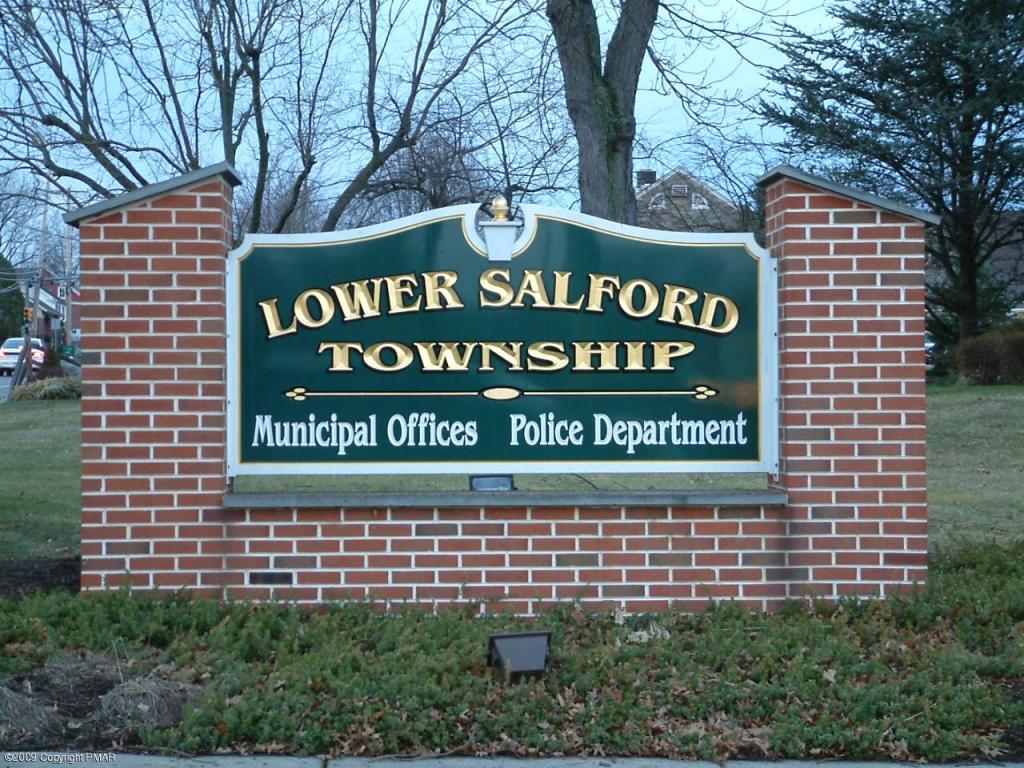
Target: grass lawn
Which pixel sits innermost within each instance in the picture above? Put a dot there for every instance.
(975, 472)
(976, 463)
(40, 478)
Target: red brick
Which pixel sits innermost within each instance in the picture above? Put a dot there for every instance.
(529, 529)
(821, 201)
(150, 248)
(718, 528)
(623, 529)
(790, 187)
(624, 559)
(552, 513)
(175, 201)
(502, 544)
(879, 233)
(198, 217)
(148, 216)
(101, 248)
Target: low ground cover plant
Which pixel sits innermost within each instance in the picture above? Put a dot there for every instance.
(52, 388)
(935, 675)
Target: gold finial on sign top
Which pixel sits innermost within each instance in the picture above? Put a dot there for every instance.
(499, 208)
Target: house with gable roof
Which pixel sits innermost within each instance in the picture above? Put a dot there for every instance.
(681, 202)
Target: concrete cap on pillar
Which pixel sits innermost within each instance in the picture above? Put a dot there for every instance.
(789, 172)
(225, 170)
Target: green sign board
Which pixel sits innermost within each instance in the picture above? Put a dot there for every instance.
(560, 342)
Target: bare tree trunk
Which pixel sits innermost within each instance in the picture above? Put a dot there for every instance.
(601, 99)
(969, 314)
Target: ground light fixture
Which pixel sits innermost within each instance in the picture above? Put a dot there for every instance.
(491, 483)
(519, 653)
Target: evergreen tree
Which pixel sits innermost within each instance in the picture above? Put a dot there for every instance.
(11, 302)
(926, 99)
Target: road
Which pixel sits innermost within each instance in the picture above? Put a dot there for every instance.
(5, 386)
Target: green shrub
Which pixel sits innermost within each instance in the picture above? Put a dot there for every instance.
(979, 359)
(62, 388)
(1011, 369)
(996, 357)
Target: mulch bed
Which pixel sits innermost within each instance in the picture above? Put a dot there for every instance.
(88, 701)
(26, 575)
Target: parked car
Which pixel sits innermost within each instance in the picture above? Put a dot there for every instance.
(11, 349)
(936, 354)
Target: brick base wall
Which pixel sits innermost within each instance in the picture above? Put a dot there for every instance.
(518, 559)
(852, 453)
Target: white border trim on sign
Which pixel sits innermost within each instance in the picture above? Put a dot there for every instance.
(466, 212)
(532, 214)
(768, 345)
(231, 338)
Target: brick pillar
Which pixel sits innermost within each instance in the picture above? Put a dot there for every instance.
(153, 382)
(851, 306)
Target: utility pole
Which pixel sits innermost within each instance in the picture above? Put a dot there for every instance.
(43, 237)
(23, 369)
(67, 288)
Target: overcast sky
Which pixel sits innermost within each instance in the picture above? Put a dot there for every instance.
(659, 117)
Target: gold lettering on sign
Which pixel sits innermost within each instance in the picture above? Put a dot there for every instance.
(302, 308)
(359, 298)
(273, 320)
(340, 354)
(445, 355)
(627, 298)
(510, 352)
(678, 302)
(373, 356)
(562, 292)
(584, 353)
(635, 298)
(495, 282)
(441, 285)
(398, 287)
(666, 351)
(635, 355)
(546, 356)
(399, 294)
(533, 287)
(707, 316)
(600, 285)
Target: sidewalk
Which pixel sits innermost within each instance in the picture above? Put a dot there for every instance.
(264, 761)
